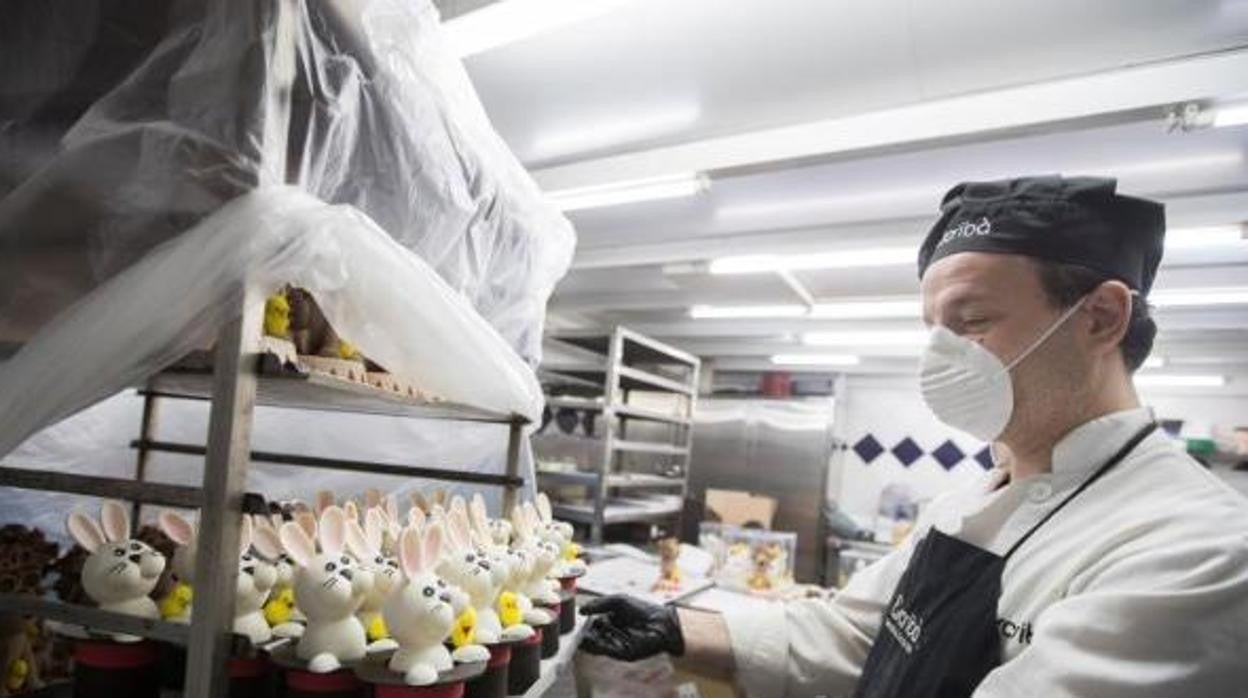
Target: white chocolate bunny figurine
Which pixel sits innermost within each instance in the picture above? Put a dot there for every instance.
(470, 570)
(545, 554)
(329, 588)
(560, 532)
(421, 614)
(365, 544)
(514, 605)
(119, 571)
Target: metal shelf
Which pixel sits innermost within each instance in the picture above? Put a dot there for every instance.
(621, 511)
(637, 348)
(316, 391)
(620, 481)
(623, 411)
(94, 618)
(630, 378)
(649, 447)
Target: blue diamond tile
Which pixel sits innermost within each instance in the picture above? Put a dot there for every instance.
(907, 451)
(948, 455)
(868, 449)
(984, 458)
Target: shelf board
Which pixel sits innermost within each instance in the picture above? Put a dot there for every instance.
(94, 618)
(618, 481)
(621, 510)
(95, 486)
(622, 411)
(637, 348)
(550, 667)
(308, 390)
(630, 378)
(649, 447)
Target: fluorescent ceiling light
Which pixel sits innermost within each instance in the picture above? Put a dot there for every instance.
(851, 203)
(815, 360)
(620, 129)
(1182, 298)
(654, 189)
(508, 21)
(1207, 236)
(881, 338)
(1170, 380)
(1232, 158)
(1234, 115)
(845, 259)
(837, 311)
(1154, 362)
(705, 312)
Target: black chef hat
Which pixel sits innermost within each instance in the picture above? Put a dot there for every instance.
(1076, 220)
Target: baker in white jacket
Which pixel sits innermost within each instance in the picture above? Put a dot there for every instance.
(1096, 559)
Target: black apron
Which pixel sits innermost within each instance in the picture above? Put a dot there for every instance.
(938, 636)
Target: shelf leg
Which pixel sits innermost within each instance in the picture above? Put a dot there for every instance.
(225, 475)
(147, 432)
(515, 437)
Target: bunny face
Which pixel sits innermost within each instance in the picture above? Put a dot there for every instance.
(330, 584)
(545, 554)
(118, 568)
(472, 572)
(499, 530)
(121, 570)
(256, 579)
(521, 567)
(366, 544)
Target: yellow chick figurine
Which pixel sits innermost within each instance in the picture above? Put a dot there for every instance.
(571, 552)
(277, 315)
(465, 631)
(176, 602)
(281, 607)
(347, 350)
(377, 629)
(15, 679)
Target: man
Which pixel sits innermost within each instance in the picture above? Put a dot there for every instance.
(1096, 560)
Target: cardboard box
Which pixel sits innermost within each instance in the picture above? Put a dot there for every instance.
(741, 508)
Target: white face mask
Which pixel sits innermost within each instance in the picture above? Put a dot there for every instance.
(968, 387)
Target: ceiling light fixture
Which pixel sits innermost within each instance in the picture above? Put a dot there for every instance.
(1233, 115)
(508, 21)
(815, 360)
(841, 310)
(1205, 236)
(1172, 380)
(657, 188)
(843, 259)
(881, 338)
(1191, 297)
(592, 134)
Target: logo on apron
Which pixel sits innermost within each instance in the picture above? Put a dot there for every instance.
(905, 626)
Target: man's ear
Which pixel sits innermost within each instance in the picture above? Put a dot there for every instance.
(1109, 308)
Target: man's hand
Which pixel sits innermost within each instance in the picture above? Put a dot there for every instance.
(624, 628)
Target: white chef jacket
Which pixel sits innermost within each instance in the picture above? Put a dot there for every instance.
(1137, 588)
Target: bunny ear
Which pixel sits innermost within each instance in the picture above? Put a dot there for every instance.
(332, 530)
(85, 531)
(433, 544)
(458, 507)
(437, 512)
(419, 501)
(324, 500)
(392, 508)
(479, 539)
(439, 496)
(306, 521)
(411, 553)
(351, 511)
(518, 522)
(543, 507)
(244, 535)
(372, 498)
(357, 542)
(298, 543)
(116, 521)
(177, 528)
(456, 533)
(374, 528)
(267, 542)
(530, 516)
(416, 517)
(477, 509)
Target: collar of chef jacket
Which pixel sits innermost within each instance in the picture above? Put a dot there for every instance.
(993, 516)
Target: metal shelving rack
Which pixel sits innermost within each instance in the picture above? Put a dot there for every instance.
(618, 364)
(238, 380)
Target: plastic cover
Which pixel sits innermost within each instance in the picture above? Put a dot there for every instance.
(154, 156)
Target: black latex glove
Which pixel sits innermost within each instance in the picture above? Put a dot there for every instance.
(625, 628)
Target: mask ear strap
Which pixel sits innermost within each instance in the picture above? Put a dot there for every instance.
(1047, 333)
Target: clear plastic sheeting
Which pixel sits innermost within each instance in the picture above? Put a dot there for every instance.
(375, 292)
(156, 155)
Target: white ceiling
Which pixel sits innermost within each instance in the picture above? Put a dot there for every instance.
(655, 85)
